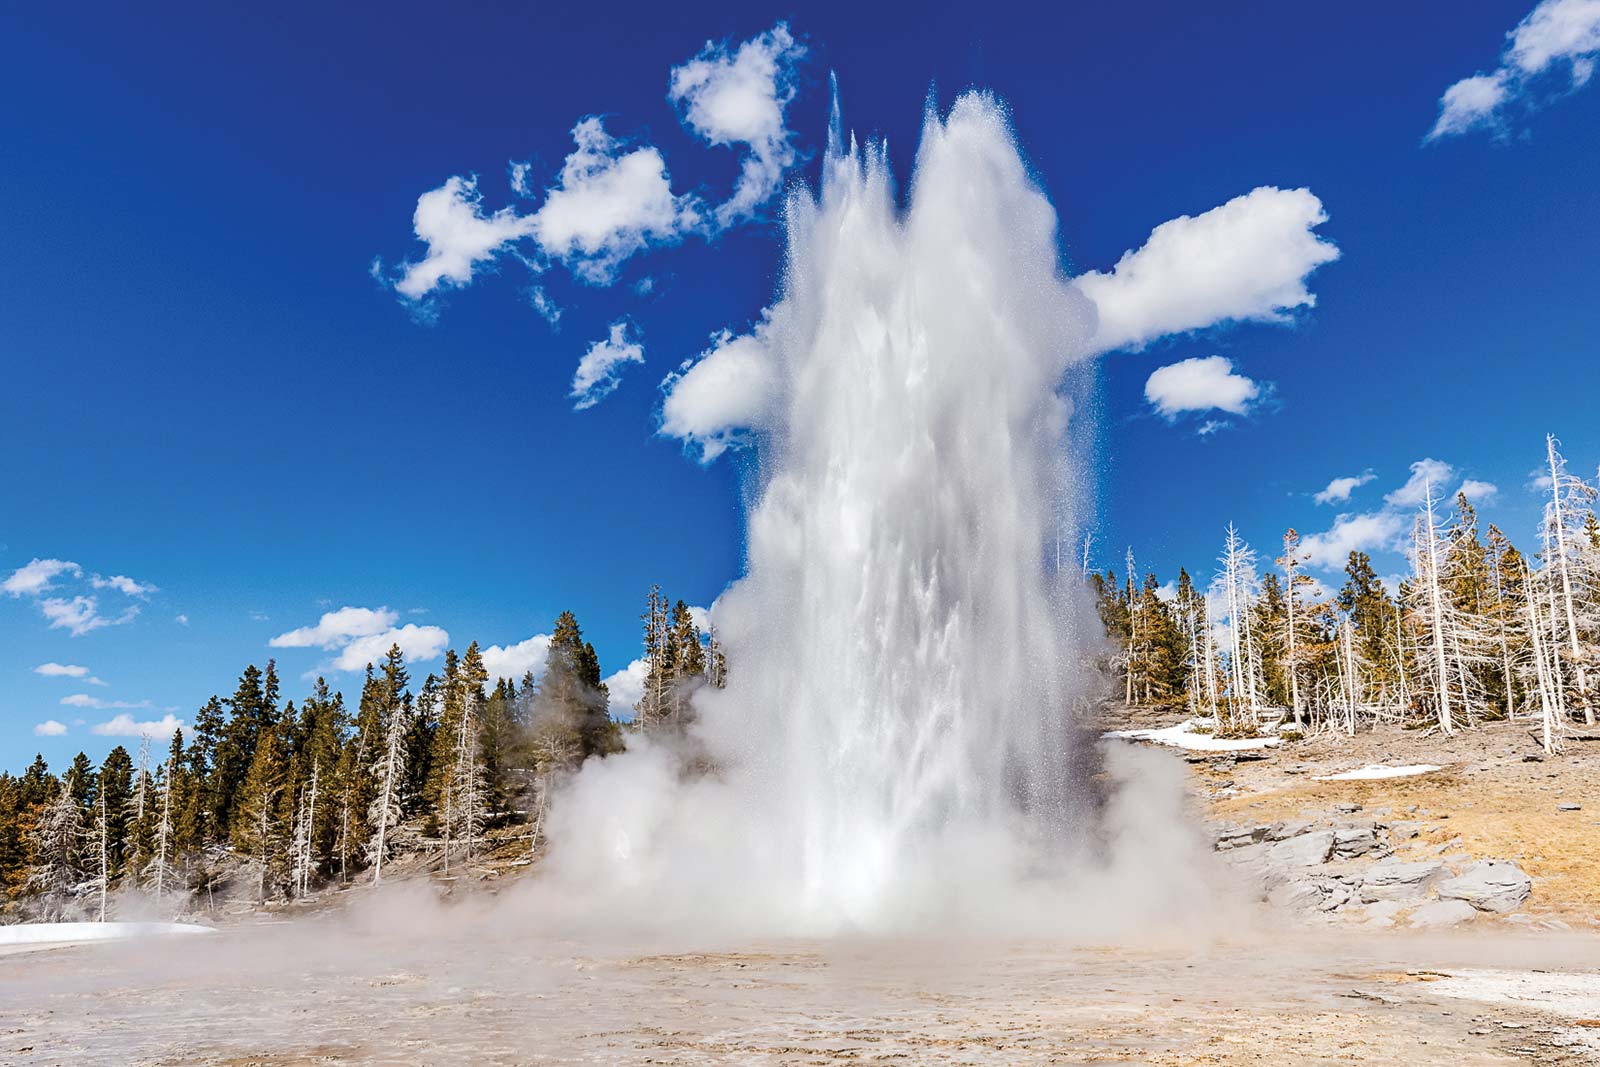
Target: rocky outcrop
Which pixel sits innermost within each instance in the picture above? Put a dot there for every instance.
(1489, 885)
(1396, 880)
(1348, 871)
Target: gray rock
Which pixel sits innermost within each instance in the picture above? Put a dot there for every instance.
(1394, 880)
(1404, 831)
(1489, 885)
(1443, 913)
(1305, 850)
(1296, 895)
(1334, 897)
(1348, 807)
(1282, 831)
(1569, 807)
(1354, 841)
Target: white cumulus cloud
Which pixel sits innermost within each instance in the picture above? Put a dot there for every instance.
(625, 687)
(1476, 491)
(711, 400)
(1555, 34)
(1247, 260)
(1339, 490)
(49, 728)
(124, 725)
(460, 237)
(1424, 473)
(1366, 532)
(419, 643)
(738, 97)
(1200, 384)
(600, 370)
(337, 628)
(609, 204)
(514, 661)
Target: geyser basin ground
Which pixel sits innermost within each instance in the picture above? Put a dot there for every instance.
(315, 993)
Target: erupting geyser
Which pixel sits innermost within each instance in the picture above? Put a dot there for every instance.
(895, 744)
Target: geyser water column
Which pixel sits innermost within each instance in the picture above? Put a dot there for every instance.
(895, 736)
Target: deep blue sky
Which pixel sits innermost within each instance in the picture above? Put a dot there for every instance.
(202, 387)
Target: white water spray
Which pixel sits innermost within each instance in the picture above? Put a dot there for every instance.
(895, 746)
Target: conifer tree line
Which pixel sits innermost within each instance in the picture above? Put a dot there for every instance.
(263, 799)
(1476, 632)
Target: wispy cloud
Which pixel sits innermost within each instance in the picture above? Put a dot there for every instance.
(738, 96)
(67, 670)
(600, 370)
(1386, 528)
(124, 585)
(38, 576)
(84, 700)
(81, 614)
(613, 198)
(1339, 490)
(1557, 34)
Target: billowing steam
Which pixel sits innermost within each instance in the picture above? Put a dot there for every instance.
(896, 746)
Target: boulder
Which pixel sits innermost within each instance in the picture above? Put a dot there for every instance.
(1396, 880)
(1489, 885)
(1305, 850)
(1296, 895)
(1282, 831)
(1354, 841)
(1437, 913)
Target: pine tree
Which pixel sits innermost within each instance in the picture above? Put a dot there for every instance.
(209, 794)
(257, 832)
(114, 796)
(384, 812)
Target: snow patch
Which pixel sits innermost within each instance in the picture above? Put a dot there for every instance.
(1378, 770)
(74, 933)
(1185, 735)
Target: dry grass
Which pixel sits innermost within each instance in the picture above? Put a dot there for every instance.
(1499, 811)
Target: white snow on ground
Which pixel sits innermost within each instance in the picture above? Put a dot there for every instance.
(1567, 994)
(74, 933)
(1184, 735)
(1378, 770)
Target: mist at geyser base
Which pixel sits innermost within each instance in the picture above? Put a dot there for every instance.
(896, 748)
